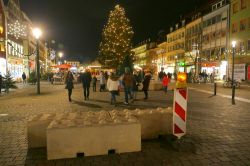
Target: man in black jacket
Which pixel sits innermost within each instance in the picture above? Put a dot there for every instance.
(86, 79)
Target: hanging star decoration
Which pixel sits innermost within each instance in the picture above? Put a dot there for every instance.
(17, 30)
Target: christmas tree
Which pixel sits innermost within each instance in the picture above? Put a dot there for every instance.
(116, 39)
(9, 82)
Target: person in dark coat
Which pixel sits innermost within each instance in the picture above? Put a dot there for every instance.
(69, 84)
(24, 78)
(1, 83)
(86, 79)
(94, 80)
(145, 83)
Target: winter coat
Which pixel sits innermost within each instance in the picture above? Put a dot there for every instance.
(165, 81)
(86, 79)
(94, 80)
(69, 81)
(146, 81)
(128, 80)
(113, 83)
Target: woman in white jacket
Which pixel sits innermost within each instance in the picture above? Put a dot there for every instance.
(113, 85)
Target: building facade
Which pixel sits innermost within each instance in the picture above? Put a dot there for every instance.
(193, 43)
(215, 40)
(18, 46)
(240, 32)
(175, 53)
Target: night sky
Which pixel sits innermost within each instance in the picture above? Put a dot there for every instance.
(78, 24)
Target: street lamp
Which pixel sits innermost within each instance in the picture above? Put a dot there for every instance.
(233, 84)
(37, 34)
(60, 54)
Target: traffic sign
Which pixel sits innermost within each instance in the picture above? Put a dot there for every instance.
(180, 112)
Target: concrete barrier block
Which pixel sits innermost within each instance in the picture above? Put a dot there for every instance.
(95, 134)
(37, 130)
(154, 122)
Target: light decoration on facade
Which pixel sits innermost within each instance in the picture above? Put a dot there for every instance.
(17, 30)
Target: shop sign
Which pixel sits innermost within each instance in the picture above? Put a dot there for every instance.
(239, 72)
(210, 64)
(248, 71)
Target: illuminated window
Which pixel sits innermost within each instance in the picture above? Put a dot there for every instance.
(235, 7)
(243, 4)
(234, 27)
(243, 24)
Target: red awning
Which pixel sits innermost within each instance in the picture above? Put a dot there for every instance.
(62, 66)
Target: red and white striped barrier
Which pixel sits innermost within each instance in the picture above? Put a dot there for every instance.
(180, 112)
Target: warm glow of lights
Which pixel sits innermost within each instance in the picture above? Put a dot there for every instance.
(182, 77)
(17, 30)
(60, 54)
(37, 33)
(233, 44)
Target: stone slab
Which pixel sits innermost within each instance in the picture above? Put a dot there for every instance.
(95, 134)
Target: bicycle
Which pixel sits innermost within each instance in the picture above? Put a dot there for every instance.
(228, 84)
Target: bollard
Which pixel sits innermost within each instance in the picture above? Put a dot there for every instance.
(233, 94)
(215, 89)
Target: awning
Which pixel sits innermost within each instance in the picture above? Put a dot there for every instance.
(63, 66)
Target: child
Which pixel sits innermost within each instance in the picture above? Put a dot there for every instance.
(165, 82)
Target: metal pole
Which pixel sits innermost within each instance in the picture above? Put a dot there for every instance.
(215, 89)
(233, 84)
(37, 67)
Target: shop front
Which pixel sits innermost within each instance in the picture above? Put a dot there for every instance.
(2, 66)
(218, 69)
(15, 68)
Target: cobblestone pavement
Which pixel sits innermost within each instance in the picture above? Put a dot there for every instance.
(218, 132)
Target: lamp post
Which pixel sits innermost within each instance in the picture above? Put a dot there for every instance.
(37, 34)
(233, 84)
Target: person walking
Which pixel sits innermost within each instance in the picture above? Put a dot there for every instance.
(24, 78)
(94, 80)
(102, 82)
(112, 86)
(146, 83)
(69, 84)
(1, 82)
(165, 82)
(136, 84)
(128, 81)
(86, 79)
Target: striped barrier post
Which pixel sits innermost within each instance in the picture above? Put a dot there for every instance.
(180, 112)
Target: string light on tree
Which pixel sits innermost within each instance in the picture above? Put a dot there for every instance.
(116, 39)
(17, 30)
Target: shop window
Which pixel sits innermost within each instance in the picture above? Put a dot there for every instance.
(234, 28)
(235, 7)
(243, 24)
(242, 46)
(243, 4)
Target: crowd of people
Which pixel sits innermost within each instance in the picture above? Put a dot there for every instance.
(129, 82)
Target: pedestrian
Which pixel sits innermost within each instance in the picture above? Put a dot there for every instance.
(69, 84)
(160, 74)
(102, 82)
(94, 80)
(86, 79)
(165, 82)
(146, 83)
(1, 82)
(24, 78)
(128, 81)
(113, 87)
(136, 84)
